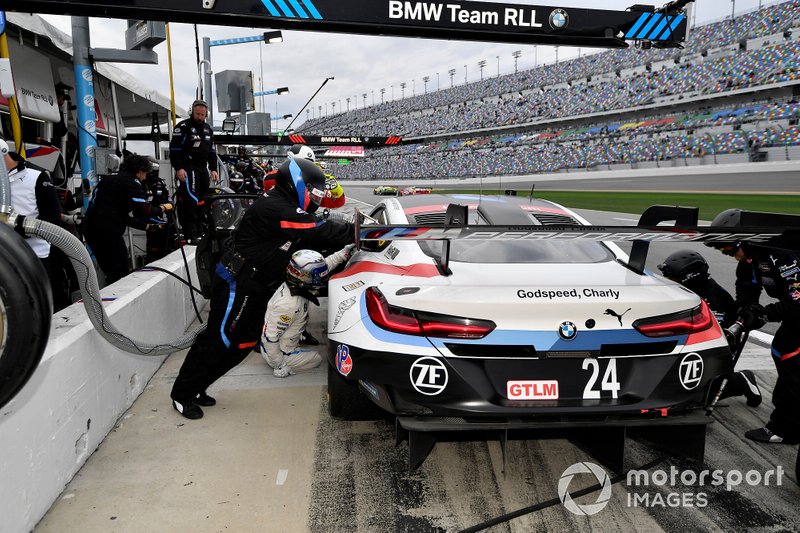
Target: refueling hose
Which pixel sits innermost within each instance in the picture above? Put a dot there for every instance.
(90, 291)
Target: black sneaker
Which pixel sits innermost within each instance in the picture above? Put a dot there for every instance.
(751, 390)
(188, 410)
(205, 400)
(765, 435)
(307, 339)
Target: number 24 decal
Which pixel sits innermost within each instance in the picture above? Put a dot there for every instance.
(608, 383)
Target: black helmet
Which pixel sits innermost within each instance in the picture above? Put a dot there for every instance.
(684, 266)
(304, 180)
(134, 163)
(730, 218)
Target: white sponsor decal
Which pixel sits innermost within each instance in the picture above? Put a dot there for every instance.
(690, 371)
(428, 376)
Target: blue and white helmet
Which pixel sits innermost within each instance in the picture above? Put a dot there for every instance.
(307, 269)
(301, 151)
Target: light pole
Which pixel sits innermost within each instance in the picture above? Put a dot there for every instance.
(373, 96)
(286, 117)
(268, 37)
(556, 55)
(383, 90)
(465, 74)
(498, 66)
(333, 106)
(425, 80)
(326, 109)
(403, 91)
(515, 54)
(481, 64)
(348, 103)
(364, 100)
(452, 73)
(535, 56)
(392, 86)
(437, 81)
(413, 87)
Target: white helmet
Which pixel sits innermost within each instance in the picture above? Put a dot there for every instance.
(301, 151)
(307, 269)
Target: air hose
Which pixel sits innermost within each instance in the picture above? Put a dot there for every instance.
(90, 291)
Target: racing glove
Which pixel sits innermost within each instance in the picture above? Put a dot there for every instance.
(753, 316)
(340, 257)
(73, 219)
(334, 189)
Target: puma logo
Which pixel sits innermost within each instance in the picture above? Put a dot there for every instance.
(611, 312)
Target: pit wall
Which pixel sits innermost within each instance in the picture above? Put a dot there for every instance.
(83, 385)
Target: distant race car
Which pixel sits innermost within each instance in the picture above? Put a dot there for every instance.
(385, 190)
(410, 191)
(513, 333)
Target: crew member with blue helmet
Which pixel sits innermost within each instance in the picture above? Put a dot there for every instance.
(272, 229)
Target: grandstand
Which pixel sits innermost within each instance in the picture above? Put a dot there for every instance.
(730, 95)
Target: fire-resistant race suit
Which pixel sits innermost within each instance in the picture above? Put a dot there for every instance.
(778, 273)
(274, 227)
(285, 321)
(192, 150)
(117, 202)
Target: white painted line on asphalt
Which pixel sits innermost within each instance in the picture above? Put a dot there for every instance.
(760, 336)
(282, 475)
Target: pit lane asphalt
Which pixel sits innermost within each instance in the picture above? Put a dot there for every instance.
(269, 458)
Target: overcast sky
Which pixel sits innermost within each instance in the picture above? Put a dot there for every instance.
(360, 64)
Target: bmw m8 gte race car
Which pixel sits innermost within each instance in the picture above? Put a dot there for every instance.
(504, 332)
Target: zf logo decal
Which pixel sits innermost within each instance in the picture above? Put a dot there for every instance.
(690, 371)
(344, 364)
(428, 376)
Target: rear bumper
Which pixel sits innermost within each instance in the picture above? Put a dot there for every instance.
(474, 390)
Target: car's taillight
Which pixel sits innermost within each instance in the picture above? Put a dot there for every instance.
(681, 323)
(389, 317)
(424, 324)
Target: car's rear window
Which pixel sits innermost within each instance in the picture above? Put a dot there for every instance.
(515, 251)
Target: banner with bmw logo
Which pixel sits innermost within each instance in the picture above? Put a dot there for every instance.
(435, 19)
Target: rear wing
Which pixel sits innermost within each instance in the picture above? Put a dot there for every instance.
(767, 229)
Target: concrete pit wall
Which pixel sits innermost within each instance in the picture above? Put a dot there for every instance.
(82, 387)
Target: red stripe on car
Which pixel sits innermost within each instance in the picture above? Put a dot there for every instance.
(418, 270)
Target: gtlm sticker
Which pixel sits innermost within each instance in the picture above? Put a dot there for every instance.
(428, 376)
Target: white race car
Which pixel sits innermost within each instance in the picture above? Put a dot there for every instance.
(503, 332)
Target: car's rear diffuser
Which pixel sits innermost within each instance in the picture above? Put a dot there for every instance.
(606, 440)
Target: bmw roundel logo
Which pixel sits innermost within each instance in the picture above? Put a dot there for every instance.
(567, 331)
(559, 19)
